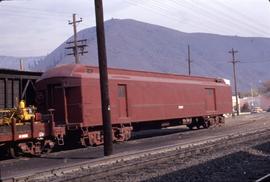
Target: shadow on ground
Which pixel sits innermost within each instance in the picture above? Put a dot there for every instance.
(240, 166)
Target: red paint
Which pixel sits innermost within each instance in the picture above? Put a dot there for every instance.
(145, 96)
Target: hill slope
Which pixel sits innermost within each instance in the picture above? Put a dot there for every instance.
(10, 62)
(141, 46)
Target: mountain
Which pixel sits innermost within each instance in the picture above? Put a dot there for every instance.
(10, 62)
(142, 46)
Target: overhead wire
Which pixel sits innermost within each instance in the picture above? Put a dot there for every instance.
(157, 7)
(34, 13)
(158, 11)
(215, 17)
(218, 15)
(237, 12)
(185, 10)
(238, 19)
(27, 15)
(254, 62)
(160, 8)
(16, 8)
(208, 20)
(137, 3)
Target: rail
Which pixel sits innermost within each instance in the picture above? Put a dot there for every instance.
(265, 178)
(147, 156)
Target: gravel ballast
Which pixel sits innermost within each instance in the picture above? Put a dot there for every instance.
(245, 162)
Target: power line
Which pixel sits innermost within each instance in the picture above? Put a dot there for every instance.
(33, 12)
(205, 12)
(210, 8)
(208, 19)
(218, 15)
(159, 11)
(39, 16)
(256, 62)
(184, 9)
(232, 10)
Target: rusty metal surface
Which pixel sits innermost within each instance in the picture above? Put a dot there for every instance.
(5, 129)
(24, 131)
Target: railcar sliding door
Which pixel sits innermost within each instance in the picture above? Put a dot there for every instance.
(56, 101)
(73, 104)
(122, 101)
(2, 94)
(16, 93)
(9, 93)
(210, 99)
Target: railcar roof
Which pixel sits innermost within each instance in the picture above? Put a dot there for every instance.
(82, 71)
(17, 74)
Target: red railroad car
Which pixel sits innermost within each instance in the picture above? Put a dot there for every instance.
(138, 100)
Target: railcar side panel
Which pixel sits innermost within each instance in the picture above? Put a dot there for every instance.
(136, 96)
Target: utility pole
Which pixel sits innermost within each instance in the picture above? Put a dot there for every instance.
(252, 95)
(104, 86)
(233, 52)
(21, 65)
(189, 61)
(75, 48)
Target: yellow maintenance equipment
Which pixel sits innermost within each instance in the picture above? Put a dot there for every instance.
(25, 113)
(21, 114)
(5, 116)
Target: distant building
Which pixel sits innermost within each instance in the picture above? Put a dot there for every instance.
(234, 103)
(258, 101)
(264, 102)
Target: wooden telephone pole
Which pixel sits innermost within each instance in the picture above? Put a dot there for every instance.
(233, 52)
(189, 61)
(75, 47)
(21, 65)
(104, 86)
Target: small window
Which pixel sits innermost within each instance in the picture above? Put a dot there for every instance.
(121, 90)
(210, 92)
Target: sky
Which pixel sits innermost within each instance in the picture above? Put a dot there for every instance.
(37, 27)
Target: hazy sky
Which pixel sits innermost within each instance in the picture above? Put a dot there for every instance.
(37, 27)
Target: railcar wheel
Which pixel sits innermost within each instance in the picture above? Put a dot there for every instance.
(48, 146)
(205, 124)
(190, 126)
(47, 150)
(13, 152)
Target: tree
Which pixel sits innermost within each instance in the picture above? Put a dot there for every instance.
(265, 88)
(245, 108)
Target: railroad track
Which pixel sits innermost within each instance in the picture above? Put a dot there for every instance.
(100, 168)
(265, 178)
